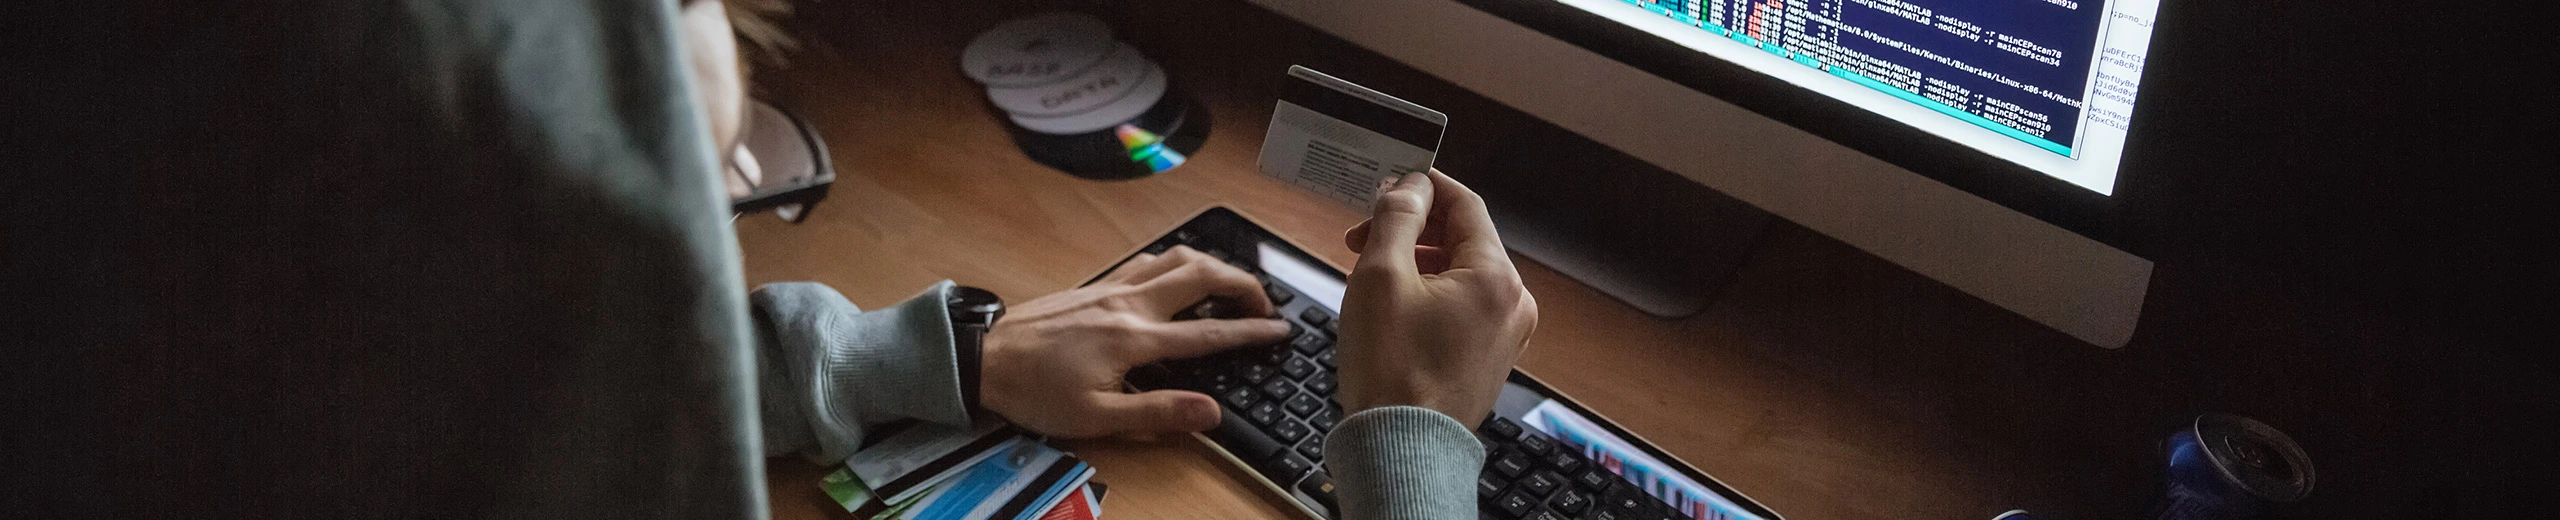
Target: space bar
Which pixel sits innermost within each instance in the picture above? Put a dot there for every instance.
(1256, 448)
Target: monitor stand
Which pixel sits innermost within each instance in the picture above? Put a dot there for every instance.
(1648, 237)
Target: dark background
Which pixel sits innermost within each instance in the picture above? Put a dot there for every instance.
(2393, 153)
(2347, 200)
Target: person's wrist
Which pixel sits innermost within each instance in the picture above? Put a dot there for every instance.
(995, 395)
(1464, 408)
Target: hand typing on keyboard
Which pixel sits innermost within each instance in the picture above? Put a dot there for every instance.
(1432, 317)
(1054, 365)
(1435, 314)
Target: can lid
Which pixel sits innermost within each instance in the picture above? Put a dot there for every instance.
(1037, 49)
(1118, 76)
(1151, 88)
(2255, 457)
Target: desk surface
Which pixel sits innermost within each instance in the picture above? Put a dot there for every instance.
(1824, 382)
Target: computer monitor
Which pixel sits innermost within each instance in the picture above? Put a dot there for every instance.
(1978, 143)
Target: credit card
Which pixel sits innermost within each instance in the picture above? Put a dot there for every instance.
(1082, 505)
(904, 464)
(1341, 140)
(1023, 478)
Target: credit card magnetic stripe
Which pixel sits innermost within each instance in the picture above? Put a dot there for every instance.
(898, 488)
(1363, 113)
(1052, 486)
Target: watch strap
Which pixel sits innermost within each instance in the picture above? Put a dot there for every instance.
(973, 312)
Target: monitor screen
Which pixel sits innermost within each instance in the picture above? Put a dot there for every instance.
(2046, 84)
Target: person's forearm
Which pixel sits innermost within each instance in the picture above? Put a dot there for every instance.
(827, 369)
(1404, 462)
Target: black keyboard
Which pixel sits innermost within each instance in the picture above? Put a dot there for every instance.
(1279, 405)
(1528, 475)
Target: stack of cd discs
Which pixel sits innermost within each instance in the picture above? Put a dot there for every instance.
(1081, 102)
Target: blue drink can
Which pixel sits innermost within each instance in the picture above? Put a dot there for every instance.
(2228, 467)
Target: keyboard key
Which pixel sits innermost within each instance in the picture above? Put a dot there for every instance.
(1263, 413)
(1620, 511)
(1565, 461)
(1326, 359)
(1487, 486)
(1272, 355)
(1240, 397)
(1511, 465)
(1503, 428)
(1322, 384)
(1289, 430)
(1287, 468)
(1312, 449)
(1514, 504)
(1304, 405)
(1240, 437)
(1309, 344)
(1256, 374)
(1315, 316)
(1570, 502)
(1547, 515)
(1625, 496)
(1279, 389)
(1594, 478)
(1298, 367)
(1279, 295)
(1324, 421)
(1537, 444)
(1541, 484)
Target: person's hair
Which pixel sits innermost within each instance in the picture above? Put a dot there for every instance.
(761, 38)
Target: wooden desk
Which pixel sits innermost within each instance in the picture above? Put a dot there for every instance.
(1824, 382)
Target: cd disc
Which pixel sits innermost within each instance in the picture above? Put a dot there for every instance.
(1117, 77)
(1161, 138)
(1036, 50)
(1150, 89)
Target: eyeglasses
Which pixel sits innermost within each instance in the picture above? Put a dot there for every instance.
(783, 163)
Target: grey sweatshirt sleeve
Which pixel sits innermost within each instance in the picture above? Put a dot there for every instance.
(1404, 462)
(827, 369)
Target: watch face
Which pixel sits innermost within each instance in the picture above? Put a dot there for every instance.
(972, 301)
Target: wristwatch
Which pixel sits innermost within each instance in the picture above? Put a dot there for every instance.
(973, 312)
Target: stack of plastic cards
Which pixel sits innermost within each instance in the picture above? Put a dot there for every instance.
(1083, 504)
(988, 472)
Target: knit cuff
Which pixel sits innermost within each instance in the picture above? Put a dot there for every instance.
(847, 369)
(1404, 462)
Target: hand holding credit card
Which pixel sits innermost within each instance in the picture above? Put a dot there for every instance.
(1343, 140)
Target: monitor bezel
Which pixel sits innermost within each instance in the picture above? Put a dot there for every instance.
(2009, 184)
